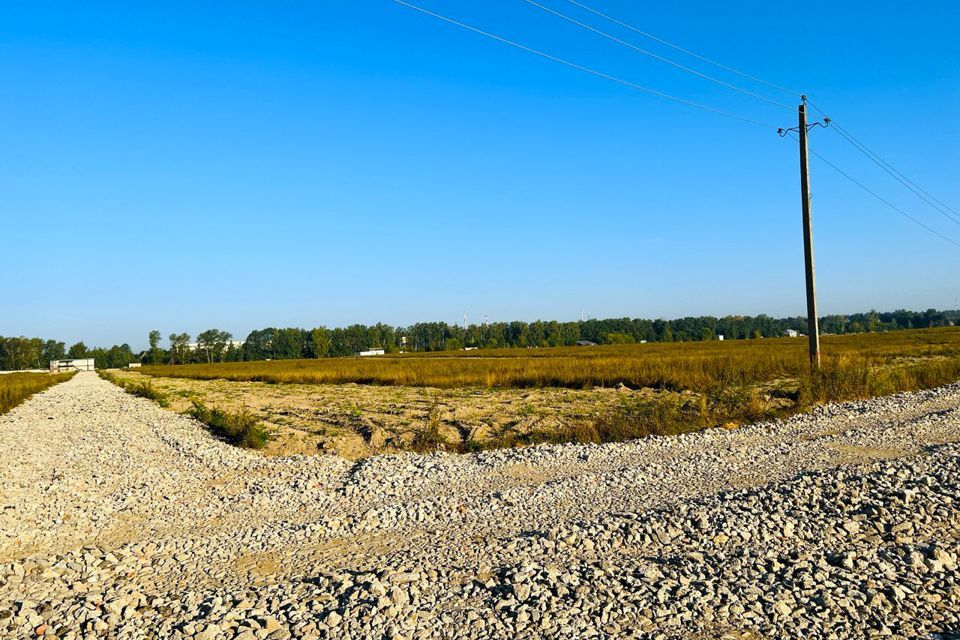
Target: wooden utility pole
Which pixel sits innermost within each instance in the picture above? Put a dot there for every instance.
(813, 330)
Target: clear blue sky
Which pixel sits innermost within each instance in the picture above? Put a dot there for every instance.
(183, 165)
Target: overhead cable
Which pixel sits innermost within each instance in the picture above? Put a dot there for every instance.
(585, 69)
(881, 198)
(658, 57)
(682, 50)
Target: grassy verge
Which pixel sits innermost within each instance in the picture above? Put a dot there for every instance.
(241, 429)
(17, 387)
(139, 389)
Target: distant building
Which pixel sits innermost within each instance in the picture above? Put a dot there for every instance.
(720, 337)
(236, 344)
(586, 343)
(791, 333)
(133, 365)
(371, 352)
(79, 364)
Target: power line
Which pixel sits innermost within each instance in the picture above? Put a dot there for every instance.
(657, 57)
(881, 198)
(941, 207)
(682, 50)
(579, 67)
(899, 177)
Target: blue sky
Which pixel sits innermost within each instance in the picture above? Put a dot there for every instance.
(182, 166)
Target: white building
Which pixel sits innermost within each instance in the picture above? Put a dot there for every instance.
(236, 344)
(80, 364)
(371, 352)
(791, 333)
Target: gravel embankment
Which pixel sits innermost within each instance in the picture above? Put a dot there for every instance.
(121, 520)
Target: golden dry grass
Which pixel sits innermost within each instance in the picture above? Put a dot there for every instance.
(680, 387)
(694, 366)
(17, 387)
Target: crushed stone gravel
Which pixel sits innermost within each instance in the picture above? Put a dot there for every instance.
(121, 520)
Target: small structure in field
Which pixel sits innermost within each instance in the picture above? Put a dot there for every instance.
(720, 337)
(791, 333)
(133, 365)
(77, 364)
(373, 351)
(586, 343)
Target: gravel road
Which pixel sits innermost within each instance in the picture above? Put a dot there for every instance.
(121, 520)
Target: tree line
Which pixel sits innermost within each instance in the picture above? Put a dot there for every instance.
(214, 345)
(36, 353)
(320, 342)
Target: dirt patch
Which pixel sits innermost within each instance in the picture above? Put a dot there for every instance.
(521, 474)
(356, 421)
(852, 454)
(258, 566)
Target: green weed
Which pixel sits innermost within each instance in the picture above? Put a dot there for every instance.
(241, 429)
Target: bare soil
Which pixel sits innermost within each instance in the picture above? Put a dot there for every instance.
(356, 421)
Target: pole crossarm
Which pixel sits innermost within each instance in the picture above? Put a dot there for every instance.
(783, 133)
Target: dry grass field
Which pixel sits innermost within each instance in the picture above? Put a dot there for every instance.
(17, 387)
(463, 401)
(695, 366)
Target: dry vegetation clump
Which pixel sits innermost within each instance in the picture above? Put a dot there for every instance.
(17, 387)
(850, 378)
(630, 419)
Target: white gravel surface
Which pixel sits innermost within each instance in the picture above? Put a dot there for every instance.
(121, 520)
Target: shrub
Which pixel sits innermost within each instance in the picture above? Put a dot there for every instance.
(241, 429)
(427, 437)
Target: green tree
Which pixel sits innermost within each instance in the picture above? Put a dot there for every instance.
(116, 357)
(22, 353)
(155, 355)
(179, 348)
(259, 344)
(212, 344)
(320, 342)
(289, 343)
(667, 335)
(52, 350)
(78, 351)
